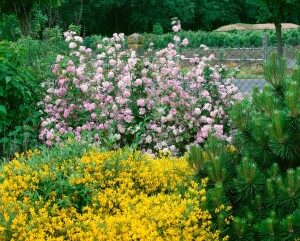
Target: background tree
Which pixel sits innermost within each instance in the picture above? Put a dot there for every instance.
(109, 16)
(146, 13)
(22, 8)
(279, 10)
(212, 13)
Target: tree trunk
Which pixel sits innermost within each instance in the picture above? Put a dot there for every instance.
(117, 22)
(24, 23)
(279, 39)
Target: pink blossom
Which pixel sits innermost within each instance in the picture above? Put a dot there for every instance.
(170, 117)
(197, 111)
(84, 88)
(204, 93)
(176, 28)
(112, 62)
(163, 119)
(121, 128)
(187, 116)
(59, 58)
(47, 98)
(205, 48)
(219, 130)
(122, 86)
(126, 93)
(205, 130)
(172, 53)
(176, 38)
(72, 45)
(209, 120)
(76, 81)
(49, 143)
(185, 42)
(142, 111)
(138, 82)
(78, 39)
(62, 130)
(50, 135)
(66, 113)
(55, 69)
(173, 111)
(127, 112)
(111, 74)
(207, 106)
(141, 102)
(213, 114)
(105, 84)
(173, 95)
(88, 51)
(171, 46)
(165, 71)
(82, 48)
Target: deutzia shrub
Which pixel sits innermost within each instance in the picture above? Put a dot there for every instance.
(150, 101)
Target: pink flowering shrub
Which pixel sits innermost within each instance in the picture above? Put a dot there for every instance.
(148, 101)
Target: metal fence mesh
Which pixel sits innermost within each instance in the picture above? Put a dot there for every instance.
(249, 62)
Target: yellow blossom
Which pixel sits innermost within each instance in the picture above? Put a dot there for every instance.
(115, 195)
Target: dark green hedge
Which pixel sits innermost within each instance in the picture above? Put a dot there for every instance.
(225, 39)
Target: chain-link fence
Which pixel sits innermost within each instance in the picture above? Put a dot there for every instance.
(248, 64)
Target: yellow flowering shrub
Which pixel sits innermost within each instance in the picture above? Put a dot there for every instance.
(113, 195)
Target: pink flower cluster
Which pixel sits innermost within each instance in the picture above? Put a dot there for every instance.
(147, 101)
(176, 25)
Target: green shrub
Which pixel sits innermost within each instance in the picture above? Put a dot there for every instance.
(24, 66)
(9, 27)
(40, 55)
(260, 175)
(92, 41)
(53, 35)
(157, 29)
(232, 39)
(19, 93)
(37, 22)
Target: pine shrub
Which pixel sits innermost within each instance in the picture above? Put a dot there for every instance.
(259, 175)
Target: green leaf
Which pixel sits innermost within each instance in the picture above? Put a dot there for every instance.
(1, 91)
(3, 110)
(8, 79)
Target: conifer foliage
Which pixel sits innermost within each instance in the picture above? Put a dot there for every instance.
(259, 176)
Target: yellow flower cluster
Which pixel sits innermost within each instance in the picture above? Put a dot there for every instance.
(117, 195)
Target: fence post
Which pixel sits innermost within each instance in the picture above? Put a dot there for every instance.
(265, 46)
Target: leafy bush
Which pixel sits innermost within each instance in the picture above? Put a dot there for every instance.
(9, 27)
(150, 102)
(19, 94)
(157, 29)
(40, 56)
(260, 175)
(115, 195)
(37, 23)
